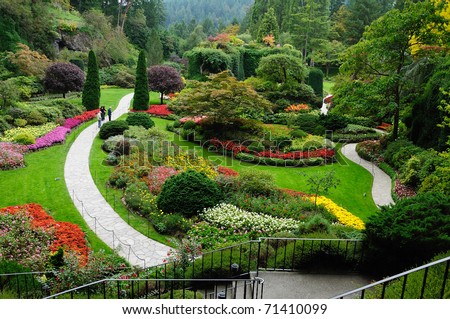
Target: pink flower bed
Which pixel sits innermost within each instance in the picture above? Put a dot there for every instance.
(196, 119)
(403, 191)
(11, 155)
(58, 135)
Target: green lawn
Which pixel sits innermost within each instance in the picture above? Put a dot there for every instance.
(327, 87)
(42, 181)
(353, 193)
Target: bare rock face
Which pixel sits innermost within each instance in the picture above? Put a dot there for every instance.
(74, 42)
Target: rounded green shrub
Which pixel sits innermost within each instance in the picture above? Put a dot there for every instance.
(20, 122)
(188, 193)
(189, 125)
(25, 138)
(257, 183)
(409, 233)
(140, 119)
(112, 128)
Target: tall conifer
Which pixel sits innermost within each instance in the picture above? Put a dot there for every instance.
(91, 89)
(141, 95)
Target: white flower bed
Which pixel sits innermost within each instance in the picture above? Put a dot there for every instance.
(230, 216)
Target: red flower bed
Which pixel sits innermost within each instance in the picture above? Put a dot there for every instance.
(227, 171)
(157, 110)
(67, 235)
(236, 148)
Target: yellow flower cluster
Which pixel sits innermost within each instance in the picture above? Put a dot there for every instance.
(343, 215)
(184, 162)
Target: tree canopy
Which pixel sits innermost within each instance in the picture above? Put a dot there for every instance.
(61, 77)
(222, 99)
(164, 79)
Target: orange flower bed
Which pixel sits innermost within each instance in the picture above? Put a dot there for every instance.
(67, 235)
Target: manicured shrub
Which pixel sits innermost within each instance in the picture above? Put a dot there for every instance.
(36, 118)
(333, 121)
(25, 138)
(141, 95)
(111, 142)
(399, 152)
(140, 119)
(307, 122)
(91, 89)
(189, 125)
(112, 128)
(315, 80)
(20, 122)
(4, 125)
(188, 193)
(409, 233)
(257, 183)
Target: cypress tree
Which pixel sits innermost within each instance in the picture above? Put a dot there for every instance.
(141, 95)
(315, 80)
(91, 89)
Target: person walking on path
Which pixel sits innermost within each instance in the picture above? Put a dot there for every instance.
(103, 112)
(99, 119)
(109, 113)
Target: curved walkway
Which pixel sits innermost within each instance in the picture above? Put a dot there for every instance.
(382, 184)
(138, 249)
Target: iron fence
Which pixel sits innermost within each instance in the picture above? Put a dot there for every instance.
(430, 281)
(167, 289)
(241, 261)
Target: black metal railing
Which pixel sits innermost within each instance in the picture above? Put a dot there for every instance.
(167, 289)
(430, 281)
(25, 285)
(239, 261)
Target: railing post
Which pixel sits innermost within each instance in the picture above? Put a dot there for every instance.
(257, 257)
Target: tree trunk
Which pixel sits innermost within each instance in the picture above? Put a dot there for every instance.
(162, 98)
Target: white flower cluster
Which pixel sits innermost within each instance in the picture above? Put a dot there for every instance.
(230, 216)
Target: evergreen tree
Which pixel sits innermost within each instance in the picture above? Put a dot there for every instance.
(269, 25)
(154, 48)
(91, 89)
(141, 95)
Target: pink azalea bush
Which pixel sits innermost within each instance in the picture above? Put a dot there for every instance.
(58, 135)
(11, 155)
(157, 176)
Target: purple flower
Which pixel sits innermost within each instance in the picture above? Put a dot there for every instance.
(58, 135)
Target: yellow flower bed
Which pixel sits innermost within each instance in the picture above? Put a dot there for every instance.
(35, 131)
(343, 215)
(184, 162)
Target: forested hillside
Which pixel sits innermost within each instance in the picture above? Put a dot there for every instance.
(217, 12)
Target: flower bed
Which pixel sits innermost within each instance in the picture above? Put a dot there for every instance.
(230, 216)
(195, 119)
(58, 135)
(11, 155)
(343, 215)
(35, 131)
(157, 110)
(66, 235)
(297, 108)
(293, 158)
(77, 120)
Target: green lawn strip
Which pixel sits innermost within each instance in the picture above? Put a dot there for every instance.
(353, 192)
(42, 182)
(101, 173)
(328, 87)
